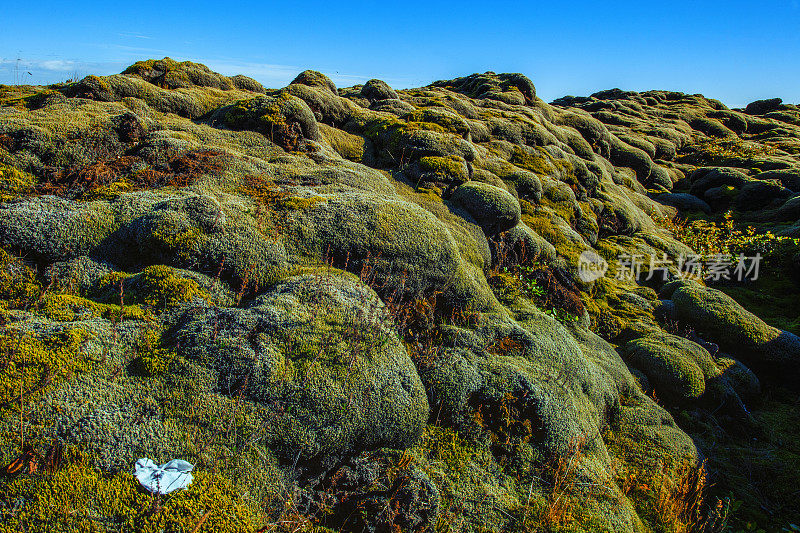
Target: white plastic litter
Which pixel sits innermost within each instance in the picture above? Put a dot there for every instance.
(163, 479)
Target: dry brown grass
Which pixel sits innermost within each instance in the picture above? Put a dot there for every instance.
(81, 181)
(675, 499)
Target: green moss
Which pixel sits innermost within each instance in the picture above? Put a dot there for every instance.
(37, 100)
(81, 498)
(32, 364)
(262, 189)
(443, 445)
(99, 82)
(676, 366)
(67, 307)
(19, 286)
(154, 359)
(319, 270)
(390, 133)
(14, 95)
(714, 151)
(562, 208)
(159, 287)
(276, 117)
(179, 242)
(450, 167)
(327, 346)
(294, 203)
(346, 144)
(156, 286)
(760, 475)
(111, 190)
(540, 220)
(14, 183)
(772, 298)
(506, 287)
(607, 308)
(537, 163)
(447, 121)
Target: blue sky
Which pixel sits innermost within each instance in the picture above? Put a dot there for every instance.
(734, 51)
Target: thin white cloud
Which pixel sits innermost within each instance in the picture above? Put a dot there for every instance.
(57, 64)
(133, 35)
(39, 71)
(139, 49)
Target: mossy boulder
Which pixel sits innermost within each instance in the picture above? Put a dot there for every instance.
(683, 201)
(495, 209)
(437, 169)
(170, 74)
(526, 184)
(55, 229)
(511, 88)
(441, 116)
(625, 155)
(191, 101)
(676, 366)
(320, 354)
(705, 178)
(760, 107)
(312, 78)
(524, 244)
(394, 242)
(737, 331)
(321, 96)
(375, 90)
(284, 119)
(141, 229)
(740, 378)
(756, 195)
(789, 178)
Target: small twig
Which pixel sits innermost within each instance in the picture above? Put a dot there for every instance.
(200, 523)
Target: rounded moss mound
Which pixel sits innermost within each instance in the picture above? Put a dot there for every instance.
(170, 74)
(375, 90)
(54, 229)
(312, 78)
(739, 332)
(396, 244)
(511, 88)
(494, 209)
(676, 366)
(284, 119)
(436, 169)
(320, 353)
(522, 243)
(740, 378)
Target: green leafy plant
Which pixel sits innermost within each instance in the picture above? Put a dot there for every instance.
(726, 237)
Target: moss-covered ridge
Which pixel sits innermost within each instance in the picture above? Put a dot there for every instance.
(338, 301)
